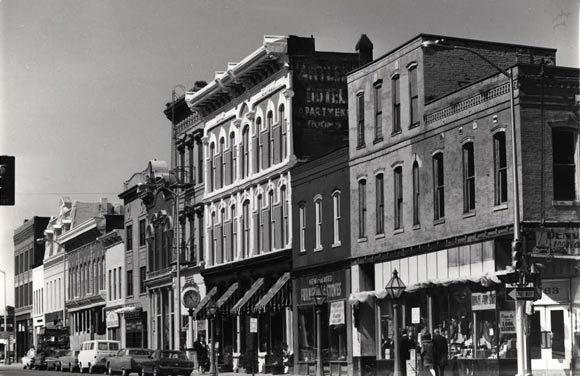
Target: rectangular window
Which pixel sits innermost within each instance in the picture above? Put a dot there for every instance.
(142, 231)
(114, 283)
(129, 283)
(360, 111)
(260, 226)
(416, 194)
(438, 187)
(413, 96)
(284, 210)
(190, 163)
(500, 168)
(396, 90)
(468, 178)
(142, 278)
(565, 157)
(380, 202)
(362, 208)
(398, 191)
(246, 229)
(110, 285)
(120, 283)
(129, 235)
(318, 215)
(378, 92)
(336, 217)
(302, 217)
(199, 167)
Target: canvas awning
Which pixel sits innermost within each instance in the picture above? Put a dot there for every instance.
(277, 297)
(199, 310)
(244, 305)
(225, 302)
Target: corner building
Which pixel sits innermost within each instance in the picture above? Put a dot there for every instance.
(431, 187)
(282, 104)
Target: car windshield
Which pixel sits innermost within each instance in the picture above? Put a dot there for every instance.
(173, 355)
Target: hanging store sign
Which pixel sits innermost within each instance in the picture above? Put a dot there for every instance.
(415, 315)
(481, 301)
(336, 313)
(334, 284)
(253, 325)
(112, 320)
(557, 241)
(507, 322)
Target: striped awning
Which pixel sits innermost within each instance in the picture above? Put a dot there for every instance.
(199, 312)
(278, 297)
(250, 298)
(225, 302)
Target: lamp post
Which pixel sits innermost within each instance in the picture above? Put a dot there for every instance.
(212, 311)
(319, 297)
(522, 352)
(395, 288)
(6, 353)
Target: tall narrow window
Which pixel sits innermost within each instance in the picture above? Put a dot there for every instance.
(142, 227)
(211, 167)
(245, 152)
(362, 208)
(500, 168)
(318, 218)
(336, 216)
(129, 235)
(284, 139)
(271, 221)
(468, 178)
(233, 158)
(234, 233)
(260, 228)
(222, 240)
(565, 156)
(413, 96)
(398, 199)
(213, 238)
(416, 220)
(246, 229)
(270, 138)
(380, 202)
(396, 90)
(284, 215)
(259, 146)
(181, 168)
(190, 162)
(438, 187)
(222, 163)
(200, 172)
(302, 218)
(360, 112)
(378, 93)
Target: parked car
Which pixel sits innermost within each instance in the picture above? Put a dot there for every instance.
(40, 358)
(94, 354)
(69, 361)
(127, 361)
(167, 362)
(53, 359)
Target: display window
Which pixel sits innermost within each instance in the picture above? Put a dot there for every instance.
(333, 332)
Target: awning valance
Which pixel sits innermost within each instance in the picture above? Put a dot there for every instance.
(199, 310)
(277, 297)
(244, 305)
(225, 302)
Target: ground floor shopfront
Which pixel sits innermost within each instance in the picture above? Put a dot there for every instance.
(127, 324)
(24, 334)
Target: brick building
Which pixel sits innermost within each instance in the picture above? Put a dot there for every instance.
(430, 168)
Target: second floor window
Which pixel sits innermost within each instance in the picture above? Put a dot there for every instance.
(398, 191)
(396, 93)
(413, 96)
(302, 219)
(500, 168)
(142, 228)
(416, 194)
(380, 201)
(270, 138)
(245, 152)
(378, 110)
(142, 279)
(468, 178)
(129, 283)
(129, 235)
(360, 113)
(212, 167)
(566, 156)
(318, 218)
(362, 208)
(336, 216)
(233, 164)
(222, 164)
(246, 229)
(284, 215)
(438, 187)
(284, 139)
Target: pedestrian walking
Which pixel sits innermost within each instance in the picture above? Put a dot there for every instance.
(441, 352)
(427, 354)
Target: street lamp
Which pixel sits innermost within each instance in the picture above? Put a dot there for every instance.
(212, 311)
(319, 297)
(395, 288)
(516, 242)
(6, 358)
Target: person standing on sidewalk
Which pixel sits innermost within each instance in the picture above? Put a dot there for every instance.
(440, 351)
(427, 354)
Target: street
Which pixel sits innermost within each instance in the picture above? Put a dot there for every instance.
(16, 369)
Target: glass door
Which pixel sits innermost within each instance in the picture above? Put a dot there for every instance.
(550, 341)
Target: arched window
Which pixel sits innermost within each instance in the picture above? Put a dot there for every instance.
(500, 168)
(468, 178)
(260, 226)
(398, 199)
(380, 203)
(284, 216)
(318, 219)
(211, 167)
(259, 146)
(222, 163)
(416, 194)
(302, 219)
(284, 139)
(413, 95)
(336, 217)
(378, 97)
(269, 138)
(438, 187)
(233, 158)
(222, 237)
(246, 229)
(362, 208)
(233, 234)
(245, 152)
(213, 239)
(271, 221)
(396, 94)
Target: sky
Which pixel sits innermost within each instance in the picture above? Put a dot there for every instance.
(83, 84)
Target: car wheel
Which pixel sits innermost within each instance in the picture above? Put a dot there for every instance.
(124, 372)
(91, 370)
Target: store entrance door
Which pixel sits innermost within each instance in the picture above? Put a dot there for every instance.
(550, 341)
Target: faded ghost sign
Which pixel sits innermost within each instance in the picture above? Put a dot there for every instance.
(558, 241)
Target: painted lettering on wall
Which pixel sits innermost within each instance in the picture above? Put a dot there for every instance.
(563, 241)
(332, 283)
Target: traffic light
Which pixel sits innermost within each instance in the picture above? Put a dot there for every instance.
(6, 180)
(517, 255)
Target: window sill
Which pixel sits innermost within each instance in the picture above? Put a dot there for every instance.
(566, 203)
(438, 221)
(469, 214)
(318, 249)
(414, 125)
(380, 236)
(362, 240)
(377, 140)
(398, 231)
(396, 133)
(417, 226)
(500, 207)
(337, 244)
(358, 147)
(302, 252)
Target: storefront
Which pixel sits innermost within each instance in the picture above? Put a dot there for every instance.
(335, 323)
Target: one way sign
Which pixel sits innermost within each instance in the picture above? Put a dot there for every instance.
(520, 293)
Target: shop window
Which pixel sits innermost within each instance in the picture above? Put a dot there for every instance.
(362, 208)
(306, 334)
(565, 156)
(468, 178)
(360, 111)
(413, 95)
(398, 199)
(380, 202)
(500, 168)
(396, 93)
(333, 337)
(378, 96)
(438, 187)
(416, 194)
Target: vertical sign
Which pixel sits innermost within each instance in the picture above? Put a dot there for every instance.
(415, 315)
(253, 325)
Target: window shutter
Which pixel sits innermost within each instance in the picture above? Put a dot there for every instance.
(227, 172)
(218, 234)
(277, 144)
(256, 153)
(256, 251)
(277, 226)
(267, 230)
(228, 243)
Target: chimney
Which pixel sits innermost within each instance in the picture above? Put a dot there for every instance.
(364, 47)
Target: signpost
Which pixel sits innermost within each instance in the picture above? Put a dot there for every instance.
(521, 293)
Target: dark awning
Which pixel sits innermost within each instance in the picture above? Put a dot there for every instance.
(226, 301)
(251, 296)
(199, 310)
(278, 297)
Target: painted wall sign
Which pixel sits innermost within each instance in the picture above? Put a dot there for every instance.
(554, 292)
(557, 241)
(334, 284)
(481, 301)
(507, 322)
(337, 313)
